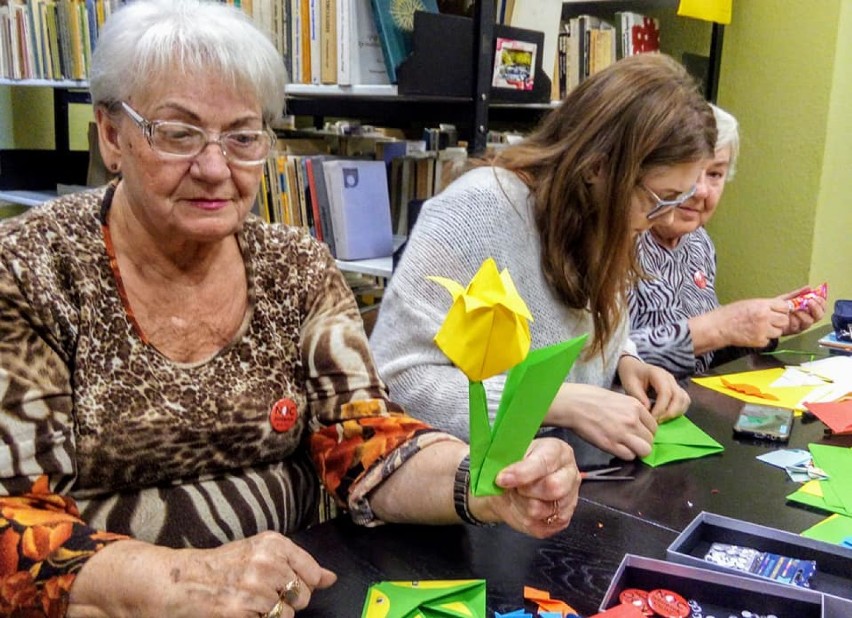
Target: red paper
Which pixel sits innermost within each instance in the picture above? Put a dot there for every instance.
(837, 415)
(625, 610)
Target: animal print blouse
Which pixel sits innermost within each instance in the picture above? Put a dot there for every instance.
(681, 286)
(103, 436)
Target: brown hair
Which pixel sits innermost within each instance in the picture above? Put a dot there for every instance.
(640, 113)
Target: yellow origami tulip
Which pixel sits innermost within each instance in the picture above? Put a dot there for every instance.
(486, 331)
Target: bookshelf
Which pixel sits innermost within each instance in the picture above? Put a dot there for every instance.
(28, 177)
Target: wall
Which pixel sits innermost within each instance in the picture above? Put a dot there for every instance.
(26, 119)
(831, 258)
(6, 129)
(33, 118)
(782, 76)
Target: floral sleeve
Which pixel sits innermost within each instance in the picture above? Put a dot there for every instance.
(359, 436)
(43, 544)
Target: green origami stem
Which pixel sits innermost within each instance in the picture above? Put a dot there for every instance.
(480, 428)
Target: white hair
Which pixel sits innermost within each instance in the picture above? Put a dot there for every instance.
(727, 135)
(149, 40)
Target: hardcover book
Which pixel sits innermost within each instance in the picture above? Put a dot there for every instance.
(360, 208)
(395, 25)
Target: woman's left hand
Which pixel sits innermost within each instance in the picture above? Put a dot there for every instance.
(638, 378)
(540, 493)
(803, 319)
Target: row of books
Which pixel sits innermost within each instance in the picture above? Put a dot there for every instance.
(343, 42)
(588, 44)
(353, 204)
(50, 39)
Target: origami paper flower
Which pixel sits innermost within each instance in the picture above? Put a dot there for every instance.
(486, 330)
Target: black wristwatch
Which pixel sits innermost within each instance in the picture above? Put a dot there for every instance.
(461, 494)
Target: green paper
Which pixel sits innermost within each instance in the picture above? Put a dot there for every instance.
(530, 388)
(833, 529)
(818, 502)
(836, 461)
(426, 599)
(679, 439)
(480, 426)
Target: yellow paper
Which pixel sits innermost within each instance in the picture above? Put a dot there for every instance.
(708, 10)
(813, 488)
(788, 396)
(486, 331)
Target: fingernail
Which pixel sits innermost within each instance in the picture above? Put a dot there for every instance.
(505, 478)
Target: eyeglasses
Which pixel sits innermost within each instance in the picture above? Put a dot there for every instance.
(185, 141)
(663, 207)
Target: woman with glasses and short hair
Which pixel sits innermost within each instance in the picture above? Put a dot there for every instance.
(675, 317)
(177, 377)
(560, 211)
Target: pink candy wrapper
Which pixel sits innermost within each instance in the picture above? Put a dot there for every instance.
(803, 300)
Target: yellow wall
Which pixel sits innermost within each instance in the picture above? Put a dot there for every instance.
(783, 77)
(6, 131)
(831, 259)
(26, 119)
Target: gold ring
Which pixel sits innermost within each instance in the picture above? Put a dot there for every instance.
(291, 591)
(554, 516)
(276, 610)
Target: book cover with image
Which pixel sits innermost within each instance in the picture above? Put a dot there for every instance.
(359, 206)
(514, 64)
(395, 25)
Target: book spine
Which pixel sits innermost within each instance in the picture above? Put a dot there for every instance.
(344, 42)
(314, 27)
(328, 41)
(305, 34)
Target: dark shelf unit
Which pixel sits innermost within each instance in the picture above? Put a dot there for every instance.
(469, 113)
(42, 170)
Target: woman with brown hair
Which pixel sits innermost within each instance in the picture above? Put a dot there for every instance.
(560, 211)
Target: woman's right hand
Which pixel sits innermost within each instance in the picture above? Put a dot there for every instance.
(749, 323)
(240, 578)
(616, 423)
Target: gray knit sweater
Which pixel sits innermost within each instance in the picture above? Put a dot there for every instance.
(485, 213)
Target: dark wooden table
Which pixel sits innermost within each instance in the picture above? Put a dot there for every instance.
(642, 517)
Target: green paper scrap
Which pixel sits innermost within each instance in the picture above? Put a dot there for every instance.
(833, 529)
(679, 439)
(802, 496)
(836, 461)
(462, 598)
(530, 388)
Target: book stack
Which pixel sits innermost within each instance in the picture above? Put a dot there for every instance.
(832, 342)
(587, 44)
(353, 192)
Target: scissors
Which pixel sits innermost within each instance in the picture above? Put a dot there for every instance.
(598, 475)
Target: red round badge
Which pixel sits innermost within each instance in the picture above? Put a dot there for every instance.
(283, 415)
(635, 597)
(700, 279)
(668, 604)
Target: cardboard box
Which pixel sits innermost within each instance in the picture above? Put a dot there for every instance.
(834, 562)
(721, 594)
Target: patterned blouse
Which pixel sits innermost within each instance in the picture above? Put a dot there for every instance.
(681, 285)
(103, 436)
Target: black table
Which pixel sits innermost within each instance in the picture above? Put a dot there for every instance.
(576, 565)
(642, 517)
(732, 483)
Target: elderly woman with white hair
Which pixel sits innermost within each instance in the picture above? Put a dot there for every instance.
(177, 377)
(676, 319)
